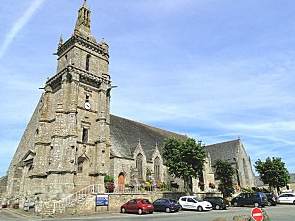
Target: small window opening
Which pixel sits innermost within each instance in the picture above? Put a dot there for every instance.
(85, 135)
(87, 62)
(84, 14)
(50, 155)
(87, 98)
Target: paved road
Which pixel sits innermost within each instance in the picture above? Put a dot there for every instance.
(278, 213)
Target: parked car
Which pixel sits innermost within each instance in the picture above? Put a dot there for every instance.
(193, 203)
(217, 202)
(257, 199)
(287, 198)
(272, 199)
(166, 205)
(138, 206)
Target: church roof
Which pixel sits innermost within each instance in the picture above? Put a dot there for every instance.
(225, 150)
(126, 135)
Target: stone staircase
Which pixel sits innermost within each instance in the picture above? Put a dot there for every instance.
(53, 208)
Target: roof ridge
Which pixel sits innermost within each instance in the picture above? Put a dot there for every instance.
(230, 141)
(151, 127)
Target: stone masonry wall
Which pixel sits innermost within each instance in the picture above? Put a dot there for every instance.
(3, 185)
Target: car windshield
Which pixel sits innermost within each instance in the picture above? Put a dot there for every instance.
(173, 201)
(197, 200)
(145, 201)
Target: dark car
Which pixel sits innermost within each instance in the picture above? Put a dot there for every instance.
(166, 205)
(138, 206)
(217, 202)
(257, 199)
(272, 199)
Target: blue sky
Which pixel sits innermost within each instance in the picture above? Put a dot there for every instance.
(215, 70)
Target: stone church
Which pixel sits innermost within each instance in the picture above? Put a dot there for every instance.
(73, 141)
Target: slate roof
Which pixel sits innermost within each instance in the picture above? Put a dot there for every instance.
(126, 134)
(223, 151)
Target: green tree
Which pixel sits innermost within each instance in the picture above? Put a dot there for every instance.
(273, 172)
(184, 159)
(224, 173)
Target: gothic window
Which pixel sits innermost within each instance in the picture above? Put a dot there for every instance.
(139, 166)
(85, 135)
(87, 62)
(157, 168)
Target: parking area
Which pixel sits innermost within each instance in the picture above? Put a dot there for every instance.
(276, 213)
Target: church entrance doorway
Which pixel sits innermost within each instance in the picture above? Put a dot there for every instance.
(121, 182)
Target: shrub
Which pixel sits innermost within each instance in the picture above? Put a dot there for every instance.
(108, 178)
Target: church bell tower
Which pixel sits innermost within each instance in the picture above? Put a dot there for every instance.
(72, 147)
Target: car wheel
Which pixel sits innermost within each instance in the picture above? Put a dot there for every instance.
(235, 204)
(294, 202)
(167, 210)
(200, 209)
(269, 203)
(217, 207)
(123, 210)
(139, 211)
(256, 204)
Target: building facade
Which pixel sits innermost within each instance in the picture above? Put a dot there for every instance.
(136, 155)
(234, 152)
(72, 141)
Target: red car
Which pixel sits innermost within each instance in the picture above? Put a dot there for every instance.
(139, 206)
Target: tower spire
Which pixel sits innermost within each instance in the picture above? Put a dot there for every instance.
(85, 4)
(83, 23)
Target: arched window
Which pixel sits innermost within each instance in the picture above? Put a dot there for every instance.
(87, 62)
(139, 166)
(157, 168)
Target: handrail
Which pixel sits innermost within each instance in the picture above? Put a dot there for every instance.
(62, 204)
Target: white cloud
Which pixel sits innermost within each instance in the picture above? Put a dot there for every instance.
(19, 24)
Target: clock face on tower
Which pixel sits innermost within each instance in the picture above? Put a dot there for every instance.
(87, 106)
